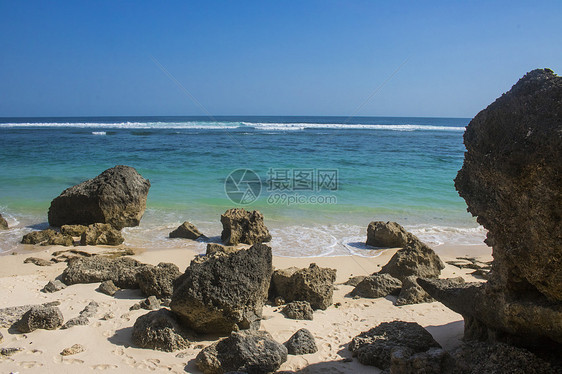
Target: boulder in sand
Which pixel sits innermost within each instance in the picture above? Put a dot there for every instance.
(108, 287)
(242, 226)
(224, 293)
(313, 284)
(117, 196)
(301, 342)
(159, 330)
(415, 259)
(53, 286)
(3, 223)
(158, 280)
(244, 351)
(298, 310)
(510, 180)
(122, 271)
(377, 285)
(186, 230)
(40, 317)
(375, 347)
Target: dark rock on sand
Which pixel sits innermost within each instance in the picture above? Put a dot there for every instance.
(158, 280)
(53, 286)
(117, 196)
(159, 330)
(415, 259)
(224, 293)
(11, 315)
(37, 261)
(301, 343)
(40, 317)
(47, 237)
(101, 234)
(377, 285)
(3, 223)
(122, 271)
(313, 284)
(298, 310)
(245, 351)
(108, 287)
(73, 230)
(375, 347)
(186, 230)
(242, 226)
(387, 234)
(511, 180)
(150, 303)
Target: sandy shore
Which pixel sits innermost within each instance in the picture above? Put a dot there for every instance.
(108, 345)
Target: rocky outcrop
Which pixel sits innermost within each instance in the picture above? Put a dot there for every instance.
(3, 223)
(375, 347)
(242, 226)
(101, 234)
(245, 351)
(298, 310)
(215, 249)
(387, 235)
(224, 293)
(117, 196)
(40, 317)
(9, 316)
(377, 285)
(415, 259)
(47, 237)
(159, 330)
(313, 284)
(301, 342)
(122, 271)
(511, 180)
(158, 280)
(186, 230)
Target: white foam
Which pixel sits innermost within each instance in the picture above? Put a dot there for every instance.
(212, 125)
(98, 133)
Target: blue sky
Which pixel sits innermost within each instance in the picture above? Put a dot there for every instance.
(84, 58)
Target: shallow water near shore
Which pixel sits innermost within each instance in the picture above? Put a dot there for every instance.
(399, 169)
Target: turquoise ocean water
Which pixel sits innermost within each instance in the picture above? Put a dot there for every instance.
(398, 169)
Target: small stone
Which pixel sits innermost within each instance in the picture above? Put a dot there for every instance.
(37, 261)
(76, 321)
(136, 306)
(108, 287)
(302, 342)
(76, 348)
(108, 316)
(5, 352)
(186, 230)
(278, 301)
(53, 286)
(150, 303)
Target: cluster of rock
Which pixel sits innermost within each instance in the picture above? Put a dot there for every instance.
(511, 180)
(399, 276)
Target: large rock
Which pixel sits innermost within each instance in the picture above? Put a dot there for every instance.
(415, 259)
(122, 271)
(242, 226)
(101, 234)
(117, 196)
(246, 352)
(301, 342)
(3, 223)
(9, 316)
(511, 180)
(377, 285)
(186, 230)
(387, 234)
(375, 347)
(158, 280)
(313, 284)
(159, 330)
(40, 317)
(298, 310)
(224, 293)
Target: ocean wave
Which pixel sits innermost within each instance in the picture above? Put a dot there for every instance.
(214, 125)
(99, 133)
